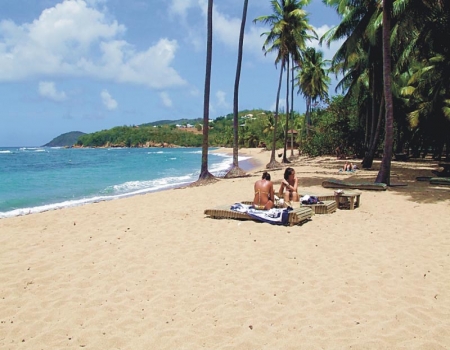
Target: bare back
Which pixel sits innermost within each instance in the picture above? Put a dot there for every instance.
(264, 194)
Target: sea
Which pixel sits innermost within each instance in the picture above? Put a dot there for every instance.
(37, 179)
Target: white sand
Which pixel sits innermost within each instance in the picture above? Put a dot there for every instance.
(152, 272)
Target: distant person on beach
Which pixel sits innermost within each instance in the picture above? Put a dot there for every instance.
(339, 152)
(289, 186)
(348, 167)
(264, 195)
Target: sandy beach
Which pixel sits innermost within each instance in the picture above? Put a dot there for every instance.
(152, 272)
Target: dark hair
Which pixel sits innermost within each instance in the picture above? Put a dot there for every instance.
(288, 172)
(266, 176)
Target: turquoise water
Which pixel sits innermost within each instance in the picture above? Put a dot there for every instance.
(39, 179)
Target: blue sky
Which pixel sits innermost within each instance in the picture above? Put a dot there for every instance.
(89, 65)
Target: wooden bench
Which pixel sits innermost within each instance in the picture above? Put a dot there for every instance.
(326, 207)
(446, 171)
(348, 199)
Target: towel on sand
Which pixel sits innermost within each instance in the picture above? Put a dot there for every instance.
(276, 216)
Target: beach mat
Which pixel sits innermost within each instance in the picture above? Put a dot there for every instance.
(424, 178)
(373, 186)
(440, 181)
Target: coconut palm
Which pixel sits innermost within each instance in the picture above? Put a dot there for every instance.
(289, 31)
(359, 59)
(426, 61)
(313, 80)
(384, 174)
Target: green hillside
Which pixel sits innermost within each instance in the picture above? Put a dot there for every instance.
(65, 140)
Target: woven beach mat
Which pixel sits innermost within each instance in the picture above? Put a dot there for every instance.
(296, 216)
(440, 181)
(373, 186)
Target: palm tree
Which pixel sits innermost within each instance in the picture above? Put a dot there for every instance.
(205, 175)
(313, 80)
(300, 31)
(288, 33)
(384, 174)
(428, 91)
(359, 59)
(235, 171)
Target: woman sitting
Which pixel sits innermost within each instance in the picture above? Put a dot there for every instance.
(264, 194)
(288, 189)
(349, 167)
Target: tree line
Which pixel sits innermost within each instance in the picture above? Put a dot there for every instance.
(255, 129)
(394, 65)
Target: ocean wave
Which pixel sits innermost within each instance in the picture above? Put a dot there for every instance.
(47, 207)
(134, 187)
(32, 149)
(218, 165)
(127, 189)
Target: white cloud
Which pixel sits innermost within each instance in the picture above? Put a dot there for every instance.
(165, 98)
(48, 90)
(180, 7)
(95, 2)
(221, 99)
(227, 29)
(108, 101)
(65, 41)
(328, 52)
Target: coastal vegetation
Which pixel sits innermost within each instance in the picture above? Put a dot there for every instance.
(67, 139)
(334, 123)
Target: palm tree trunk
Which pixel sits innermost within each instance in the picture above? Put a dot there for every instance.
(366, 128)
(204, 173)
(308, 111)
(384, 175)
(285, 160)
(374, 100)
(235, 171)
(368, 158)
(292, 109)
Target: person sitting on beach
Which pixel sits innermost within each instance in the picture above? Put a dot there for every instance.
(264, 195)
(289, 186)
(348, 167)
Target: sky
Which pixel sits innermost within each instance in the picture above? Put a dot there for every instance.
(90, 65)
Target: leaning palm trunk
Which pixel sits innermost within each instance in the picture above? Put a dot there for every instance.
(235, 171)
(285, 160)
(204, 173)
(384, 175)
(273, 163)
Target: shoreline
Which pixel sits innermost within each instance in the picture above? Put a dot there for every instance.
(153, 271)
(247, 164)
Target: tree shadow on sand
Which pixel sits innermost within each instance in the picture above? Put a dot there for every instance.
(408, 179)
